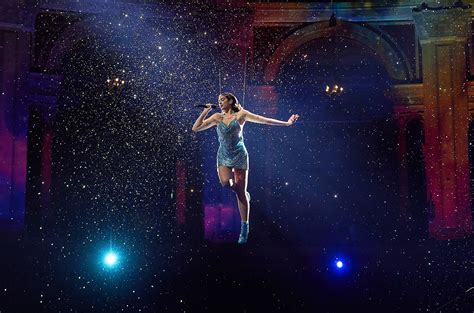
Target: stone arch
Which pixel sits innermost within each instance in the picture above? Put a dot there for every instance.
(385, 48)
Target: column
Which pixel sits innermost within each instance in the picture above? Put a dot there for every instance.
(443, 34)
(14, 62)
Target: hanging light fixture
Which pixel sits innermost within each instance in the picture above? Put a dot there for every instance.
(115, 82)
(334, 90)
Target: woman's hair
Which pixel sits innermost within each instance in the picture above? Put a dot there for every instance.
(236, 107)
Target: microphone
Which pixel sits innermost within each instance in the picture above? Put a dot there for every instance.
(205, 106)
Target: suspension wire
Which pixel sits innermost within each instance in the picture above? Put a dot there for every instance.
(245, 77)
(218, 65)
(220, 79)
(459, 297)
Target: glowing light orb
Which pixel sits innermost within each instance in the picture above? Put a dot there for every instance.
(339, 264)
(111, 259)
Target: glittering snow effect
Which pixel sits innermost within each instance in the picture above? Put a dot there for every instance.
(327, 184)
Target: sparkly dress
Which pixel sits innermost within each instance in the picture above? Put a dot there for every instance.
(232, 151)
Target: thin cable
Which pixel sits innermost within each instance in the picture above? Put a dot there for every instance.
(220, 81)
(245, 77)
(459, 297)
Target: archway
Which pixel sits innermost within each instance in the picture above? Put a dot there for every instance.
(338, 164)
(385, 49)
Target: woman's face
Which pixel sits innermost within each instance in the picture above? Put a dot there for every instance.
(224, 103)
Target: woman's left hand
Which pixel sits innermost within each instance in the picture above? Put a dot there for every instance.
(293, 119)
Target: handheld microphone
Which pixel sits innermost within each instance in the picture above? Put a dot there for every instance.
(205, 106)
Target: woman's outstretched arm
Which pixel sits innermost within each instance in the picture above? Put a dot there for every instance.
(255, 118)
(202, 123)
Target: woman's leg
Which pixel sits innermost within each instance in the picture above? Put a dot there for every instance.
(225, 177)
(241, 191)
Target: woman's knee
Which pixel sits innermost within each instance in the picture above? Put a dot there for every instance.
(228, 183)
(225, 183)
(236, 187)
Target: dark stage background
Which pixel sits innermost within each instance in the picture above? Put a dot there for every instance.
(323, 190)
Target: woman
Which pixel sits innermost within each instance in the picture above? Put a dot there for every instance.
(232, 155)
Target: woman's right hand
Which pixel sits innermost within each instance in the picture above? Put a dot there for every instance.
(208, 107)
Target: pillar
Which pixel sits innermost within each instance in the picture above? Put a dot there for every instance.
(443, 34)
(14, 63)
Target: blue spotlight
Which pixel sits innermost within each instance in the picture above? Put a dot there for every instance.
(339, 264)
(110, 259)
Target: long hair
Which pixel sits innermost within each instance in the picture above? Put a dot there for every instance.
(236, 107)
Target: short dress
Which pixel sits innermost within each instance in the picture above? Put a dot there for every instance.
(232, 151)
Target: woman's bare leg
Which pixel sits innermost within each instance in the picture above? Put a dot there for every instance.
(225, 177)
(241, 191)
(238, 183)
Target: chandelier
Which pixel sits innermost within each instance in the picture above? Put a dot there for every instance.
(116, 82)
(334, 90)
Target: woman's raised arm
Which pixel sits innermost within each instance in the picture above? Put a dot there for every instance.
(203, 124)
(255, 118)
